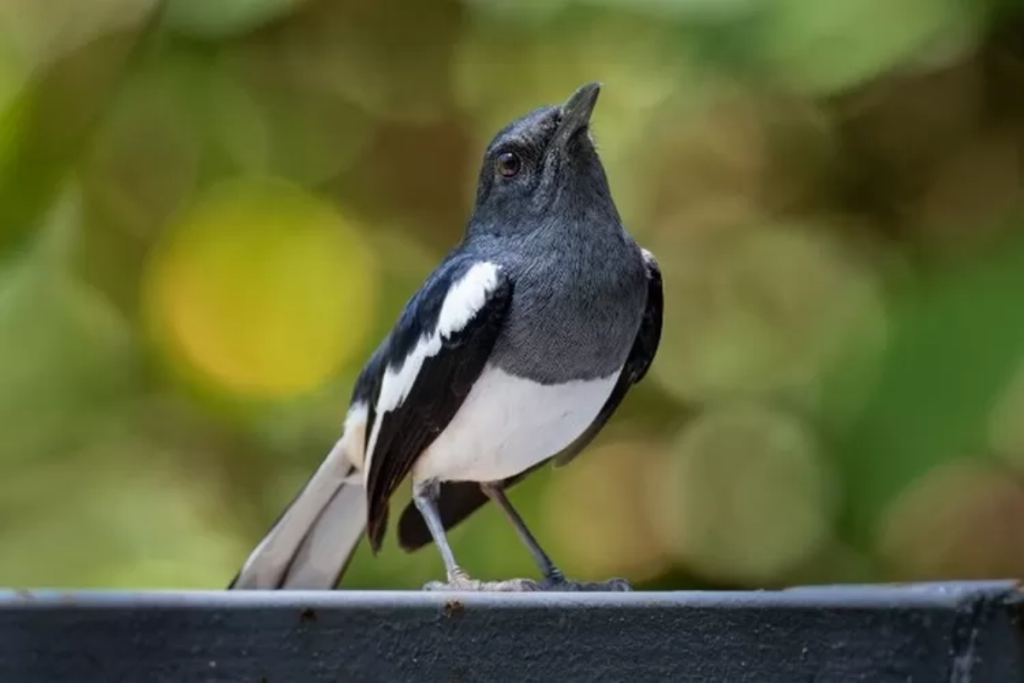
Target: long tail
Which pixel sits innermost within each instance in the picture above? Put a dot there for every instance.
(311, 544)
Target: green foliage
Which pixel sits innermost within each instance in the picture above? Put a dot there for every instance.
(211, 212)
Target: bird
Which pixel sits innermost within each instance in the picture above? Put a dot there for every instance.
(515, 353)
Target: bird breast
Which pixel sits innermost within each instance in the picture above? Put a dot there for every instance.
(508, 424)
(573, 319)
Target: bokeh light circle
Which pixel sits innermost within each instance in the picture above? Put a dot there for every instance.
(145, 520)
(760, 309)
(960, 520)
(748, 495)
(1005, 426)
(262, 290)
(595, 509)
(224, 18)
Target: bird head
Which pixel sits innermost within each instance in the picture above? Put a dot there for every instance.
(543, 167)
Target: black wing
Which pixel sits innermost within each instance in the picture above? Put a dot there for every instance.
(430, 398)
(458, 500)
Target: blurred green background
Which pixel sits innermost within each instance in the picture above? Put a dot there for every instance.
(211, 212)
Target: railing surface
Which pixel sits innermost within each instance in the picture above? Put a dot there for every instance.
(952, 632)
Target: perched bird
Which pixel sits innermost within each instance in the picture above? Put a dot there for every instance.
(515, 352)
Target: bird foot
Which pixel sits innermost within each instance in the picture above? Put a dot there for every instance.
(464, 583)
(559, 585)
(564, 585)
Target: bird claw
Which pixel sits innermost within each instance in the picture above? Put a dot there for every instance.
(561, 585)
(567, 586)
(464, 583)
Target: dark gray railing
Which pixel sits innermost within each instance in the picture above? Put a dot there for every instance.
(957, 632)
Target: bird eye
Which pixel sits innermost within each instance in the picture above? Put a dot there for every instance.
(508, 164)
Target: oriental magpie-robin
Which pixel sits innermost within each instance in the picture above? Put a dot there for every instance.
(515, 352)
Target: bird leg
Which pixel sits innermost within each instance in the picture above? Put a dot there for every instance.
(554, 580)
(424, 496)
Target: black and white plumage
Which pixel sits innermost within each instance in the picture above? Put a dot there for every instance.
(515, 352)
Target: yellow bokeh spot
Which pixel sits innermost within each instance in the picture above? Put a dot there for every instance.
(262, 289)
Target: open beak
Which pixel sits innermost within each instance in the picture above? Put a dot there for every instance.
(576, 112)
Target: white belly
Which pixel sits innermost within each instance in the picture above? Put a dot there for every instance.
(508, 424)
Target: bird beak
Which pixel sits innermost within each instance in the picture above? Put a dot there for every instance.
(576, 112)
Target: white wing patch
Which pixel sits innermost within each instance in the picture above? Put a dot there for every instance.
(648, 256)
(463, 301)
(467, 297)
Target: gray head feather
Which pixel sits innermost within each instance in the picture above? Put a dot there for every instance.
(545, 213)
(544, 166)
